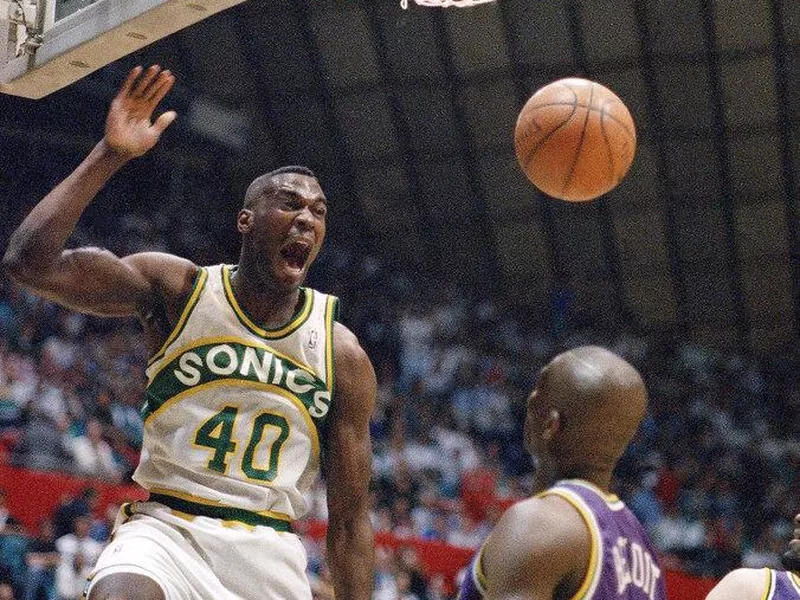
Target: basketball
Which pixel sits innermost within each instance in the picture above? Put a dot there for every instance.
(575, 139)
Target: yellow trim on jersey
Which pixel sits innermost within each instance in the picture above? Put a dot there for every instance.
(480, 575)
(291, 326)
(225, 339)
(608, 497)
(330, 309)
(594, 534)
(200, 500)
(771, 584)
(312, 428)
(768, 585)
(199, 284)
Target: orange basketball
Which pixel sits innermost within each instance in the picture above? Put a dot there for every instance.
(575, 139)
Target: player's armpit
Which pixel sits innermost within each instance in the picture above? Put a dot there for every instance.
(741, 584)
(348, 462)
(95, 281)
(539, 546)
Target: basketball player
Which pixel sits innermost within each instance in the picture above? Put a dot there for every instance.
(240, 384)
(764, 584)
(573, 540)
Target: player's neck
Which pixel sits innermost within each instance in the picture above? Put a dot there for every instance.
(271, 305)
(600, 478)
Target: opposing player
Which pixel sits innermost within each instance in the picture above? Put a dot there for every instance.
(574, 540)
(241, 384)
(764, 584)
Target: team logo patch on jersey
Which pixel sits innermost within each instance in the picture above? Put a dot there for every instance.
(235, 361)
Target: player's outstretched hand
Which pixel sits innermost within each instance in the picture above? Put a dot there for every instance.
(130, 131)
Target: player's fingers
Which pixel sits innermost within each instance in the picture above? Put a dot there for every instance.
(164, 121)
(144, 81)
(158, 82)
(128, 84)
(160, 90)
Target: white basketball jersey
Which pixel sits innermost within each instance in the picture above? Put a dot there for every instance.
(233, 411)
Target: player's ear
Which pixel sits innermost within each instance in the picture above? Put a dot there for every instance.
(244, 220)
(552, 425)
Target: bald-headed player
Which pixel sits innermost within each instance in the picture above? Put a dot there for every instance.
(764, 584)
(574, 539)
(240, 388)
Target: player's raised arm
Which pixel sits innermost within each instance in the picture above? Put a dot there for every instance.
(351, 550)
(91, 279)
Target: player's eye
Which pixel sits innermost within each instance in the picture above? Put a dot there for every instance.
(293, 204)
(321, 210)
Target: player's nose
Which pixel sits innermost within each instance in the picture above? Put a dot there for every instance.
(305, 218)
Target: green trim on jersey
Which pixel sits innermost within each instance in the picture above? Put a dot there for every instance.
(300, 316)
(225, 513)
(231, 361)
(197, 289)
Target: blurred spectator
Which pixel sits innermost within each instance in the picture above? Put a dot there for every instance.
(4, 512)
(78, 554)
(71, 507)
(42, 559)
(13, 546)
(92, 454)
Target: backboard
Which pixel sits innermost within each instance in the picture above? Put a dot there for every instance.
(48, 44)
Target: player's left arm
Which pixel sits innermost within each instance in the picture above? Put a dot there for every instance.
(350, 543)
(741, 584)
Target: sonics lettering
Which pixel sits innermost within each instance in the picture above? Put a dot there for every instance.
(237, 361)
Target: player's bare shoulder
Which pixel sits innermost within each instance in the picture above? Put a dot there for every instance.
(558, 552)
(560, 528)
(355, 375)
(171, 276)
(741, 584)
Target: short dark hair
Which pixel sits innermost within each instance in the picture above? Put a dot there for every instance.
(262, 182)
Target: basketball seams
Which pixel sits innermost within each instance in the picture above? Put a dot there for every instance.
(571, 172)
(614, 118)
(609, 150)
(532, 152)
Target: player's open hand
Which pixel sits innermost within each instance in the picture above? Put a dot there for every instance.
(130, 131)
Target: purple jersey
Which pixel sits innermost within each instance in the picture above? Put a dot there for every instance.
(622, 563)
(782, 585)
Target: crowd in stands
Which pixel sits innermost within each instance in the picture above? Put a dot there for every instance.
(714, 473)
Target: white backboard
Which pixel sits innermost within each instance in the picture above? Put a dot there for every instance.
(48, 44)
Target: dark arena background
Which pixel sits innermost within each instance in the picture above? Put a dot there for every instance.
(459, 277)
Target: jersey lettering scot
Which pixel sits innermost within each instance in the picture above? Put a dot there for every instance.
(622, 562)
(233, 411)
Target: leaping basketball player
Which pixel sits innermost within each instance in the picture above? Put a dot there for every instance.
(574, 540)
(240, 384)
(764, 584)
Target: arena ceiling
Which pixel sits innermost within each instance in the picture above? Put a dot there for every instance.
(408, 115)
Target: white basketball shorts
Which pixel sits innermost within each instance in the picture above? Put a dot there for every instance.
(202, 558)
